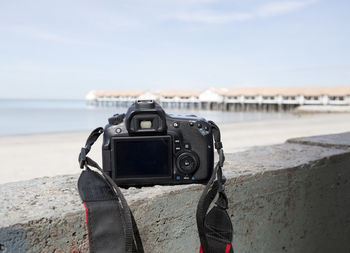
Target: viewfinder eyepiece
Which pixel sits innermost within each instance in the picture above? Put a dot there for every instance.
(145, 117)
(145, 124)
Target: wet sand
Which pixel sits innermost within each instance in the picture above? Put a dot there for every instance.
(29, 156)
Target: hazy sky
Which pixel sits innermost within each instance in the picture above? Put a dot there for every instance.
(63, 49)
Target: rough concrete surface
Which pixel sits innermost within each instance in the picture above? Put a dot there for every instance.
(331, 140)
(283, 198)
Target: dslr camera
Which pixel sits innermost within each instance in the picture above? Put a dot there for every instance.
(147, 146)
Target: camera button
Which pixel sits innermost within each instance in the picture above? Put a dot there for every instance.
(199, 125)
(118, 130)
(177, 141)
(186, 163)
(191, 124)
(177, 148)
(206, 128)
(177, 177)
(187, 146)
(176, 124)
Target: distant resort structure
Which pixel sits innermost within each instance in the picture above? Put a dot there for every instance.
(230, 99)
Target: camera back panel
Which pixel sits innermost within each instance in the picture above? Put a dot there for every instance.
(182, 154)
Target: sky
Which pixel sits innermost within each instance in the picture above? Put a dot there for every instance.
(63, 49)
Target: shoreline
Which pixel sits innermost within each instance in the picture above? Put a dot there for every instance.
(45, 133)
(221, 117)
(30, 156)
(277, 116)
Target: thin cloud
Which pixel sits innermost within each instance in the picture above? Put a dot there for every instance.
(264, 11)
(34, 67)
(213, 18)
(282, 7)
(36, 33)
(325, 68)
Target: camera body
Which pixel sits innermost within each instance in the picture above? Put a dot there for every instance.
(146, 147)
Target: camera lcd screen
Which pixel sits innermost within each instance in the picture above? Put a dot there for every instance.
(137, 157)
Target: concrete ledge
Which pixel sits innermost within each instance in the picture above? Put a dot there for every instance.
(341, 141)
(283, 198)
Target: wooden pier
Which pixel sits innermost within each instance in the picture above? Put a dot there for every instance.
(229, 99)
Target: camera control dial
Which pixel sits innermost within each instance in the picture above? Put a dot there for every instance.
(187, 163)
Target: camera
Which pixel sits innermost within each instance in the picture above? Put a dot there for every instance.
(146, 146)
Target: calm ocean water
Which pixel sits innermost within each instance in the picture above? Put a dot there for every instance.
(19, 116)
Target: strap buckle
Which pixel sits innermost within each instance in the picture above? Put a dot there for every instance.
(82, 158)
(221, 157)
(218, 145)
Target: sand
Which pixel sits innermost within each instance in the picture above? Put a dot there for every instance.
(29, 156)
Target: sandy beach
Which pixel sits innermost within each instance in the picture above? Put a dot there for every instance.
(29, 156)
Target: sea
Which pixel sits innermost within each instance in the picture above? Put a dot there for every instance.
(33, 116)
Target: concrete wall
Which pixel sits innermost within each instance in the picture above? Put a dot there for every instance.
(293, 197)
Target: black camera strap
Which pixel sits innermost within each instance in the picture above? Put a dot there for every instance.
(111, 225)
(215, 227)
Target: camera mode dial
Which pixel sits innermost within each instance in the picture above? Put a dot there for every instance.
(116, 119)
(187, 163)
